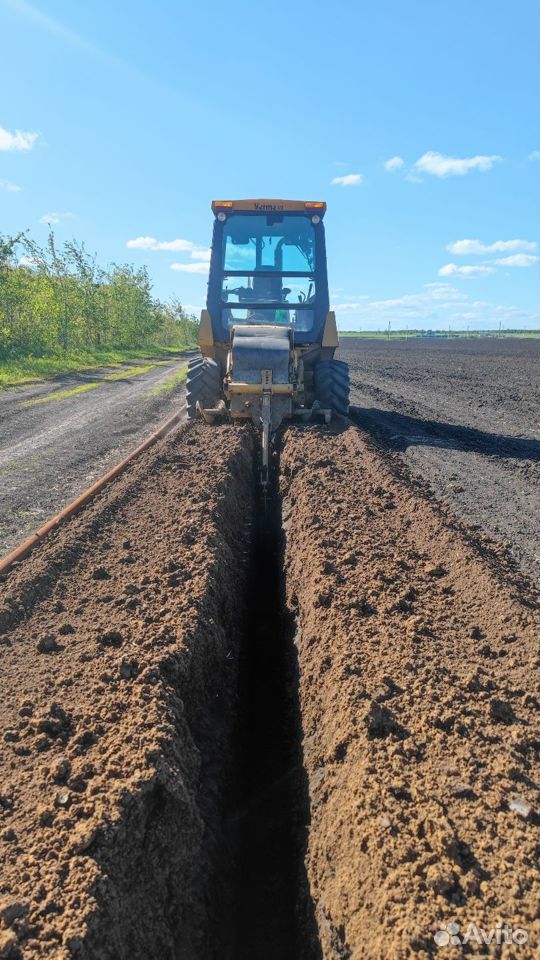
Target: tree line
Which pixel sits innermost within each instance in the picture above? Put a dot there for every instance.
(56, 298)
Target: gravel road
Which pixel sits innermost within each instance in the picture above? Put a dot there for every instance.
(463, 415)
(54, 442)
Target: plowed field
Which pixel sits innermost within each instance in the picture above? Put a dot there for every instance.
(302, 729)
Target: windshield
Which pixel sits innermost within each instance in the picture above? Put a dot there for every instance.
(271, 242)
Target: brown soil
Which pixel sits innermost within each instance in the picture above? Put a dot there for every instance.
(167, 749)
(118, 680)
(418, 703)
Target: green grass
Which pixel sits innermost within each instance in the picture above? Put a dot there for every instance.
(170, 383)
(124, 374)
(16, 372)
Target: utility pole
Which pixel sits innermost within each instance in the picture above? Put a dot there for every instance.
(388, 331)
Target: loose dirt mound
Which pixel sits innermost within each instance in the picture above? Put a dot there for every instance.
(418, 705)
(118, 673)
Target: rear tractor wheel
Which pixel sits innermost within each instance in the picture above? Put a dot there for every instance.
(204, 384)
(331, 385)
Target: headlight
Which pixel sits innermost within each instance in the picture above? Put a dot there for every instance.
(223, 216)
(315, 219)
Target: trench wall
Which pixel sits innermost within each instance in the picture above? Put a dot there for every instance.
(119, 653)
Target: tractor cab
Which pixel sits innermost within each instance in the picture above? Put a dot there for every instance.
(268, 266)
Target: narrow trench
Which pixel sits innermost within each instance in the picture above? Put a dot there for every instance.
(271, 913)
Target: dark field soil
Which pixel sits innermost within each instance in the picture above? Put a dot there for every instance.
(463, 414)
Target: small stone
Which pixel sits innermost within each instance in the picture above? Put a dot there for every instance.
(385, 821)
(9, 835)
(128, 669)
(126, 544)
(520, 806)
(100, 573)
(11, 736)
(47, 644)
(63, 799)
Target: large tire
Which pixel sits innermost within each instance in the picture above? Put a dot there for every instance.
(331, 385)
(204, 384)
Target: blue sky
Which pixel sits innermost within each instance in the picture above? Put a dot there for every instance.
(132, 117)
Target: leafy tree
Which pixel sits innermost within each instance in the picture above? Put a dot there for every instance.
(58, 299)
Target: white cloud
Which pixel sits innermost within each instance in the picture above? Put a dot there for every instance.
(453, 270)
(54, 217)
(438, 165)
(351, 303)
(517, 260)
(17, 140)
(534, 155)
(9, 186)
(26, 261)
(348, 180)
(465, 247)
(150, 243)
(190, 267)
(437, 305)
(394, 163)
(201, 253)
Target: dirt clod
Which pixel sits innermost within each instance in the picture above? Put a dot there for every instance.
(48, 644)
